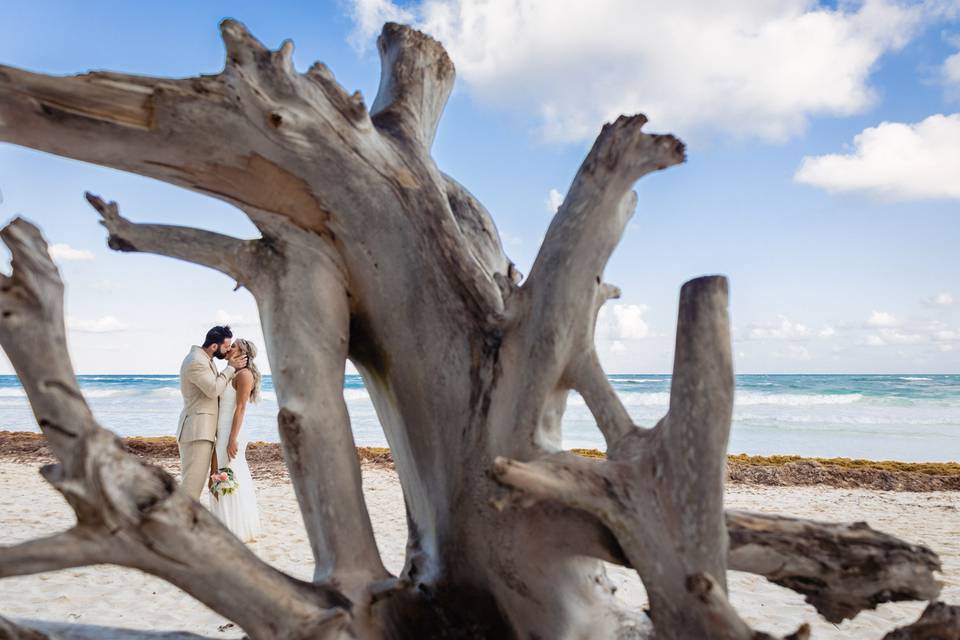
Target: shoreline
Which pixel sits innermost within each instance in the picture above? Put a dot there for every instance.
(266, 462)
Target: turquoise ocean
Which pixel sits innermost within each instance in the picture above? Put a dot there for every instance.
(880, 417)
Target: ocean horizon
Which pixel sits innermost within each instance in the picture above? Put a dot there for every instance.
(907, 417)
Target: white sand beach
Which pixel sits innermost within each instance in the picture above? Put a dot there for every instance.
(113, 596)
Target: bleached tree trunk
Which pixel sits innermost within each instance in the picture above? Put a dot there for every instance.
(369, 252)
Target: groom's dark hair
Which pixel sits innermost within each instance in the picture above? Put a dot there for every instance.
(217, 335)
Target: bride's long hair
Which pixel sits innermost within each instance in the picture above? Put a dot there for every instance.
(249, 349)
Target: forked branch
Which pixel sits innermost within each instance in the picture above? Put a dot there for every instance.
(598, 205)
(565, 289)
(306, 303)
(676, 471)
(149, 524)
(302, 300)
(231, 256)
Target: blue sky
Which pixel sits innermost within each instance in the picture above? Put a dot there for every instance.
(823, 174)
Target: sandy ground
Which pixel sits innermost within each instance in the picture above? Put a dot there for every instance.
(126, 598)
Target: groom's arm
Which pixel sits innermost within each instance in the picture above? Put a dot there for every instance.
(210, 383)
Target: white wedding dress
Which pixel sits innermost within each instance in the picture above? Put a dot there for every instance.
(238, 511)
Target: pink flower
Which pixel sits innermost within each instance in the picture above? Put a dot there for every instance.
(222, 477)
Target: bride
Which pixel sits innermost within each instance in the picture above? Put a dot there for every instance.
(238, 509)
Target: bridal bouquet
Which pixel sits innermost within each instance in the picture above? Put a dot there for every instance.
(223, 482)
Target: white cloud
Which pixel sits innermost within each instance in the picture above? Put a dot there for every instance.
(882, 329)
(935, 333)
(881, 319)
(234, 320)
(106, 324)
(941, 332)
(942, 299)
(61, 252)
(786, 329)
(893, 336)
(798, 352)
(894, 160)
(554, 200)
(746, 67)
(951, 71)
(369, 16)
(620, 322)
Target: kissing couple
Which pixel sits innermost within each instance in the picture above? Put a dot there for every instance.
(209, 433)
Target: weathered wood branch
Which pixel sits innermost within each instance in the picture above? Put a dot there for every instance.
(717, 607)
(598, 205)
(128, 122)
(258, 103)
(479, 232)
(302, 297)
(841, 569)
(32, 296)
(77, 547)
(40, 630)
(586, 375)
(231, 256)
(691, 443)
(148, 524)
(664, 503)
(565, 288)
(255, 134)
(676, 471)
(416, 79)
(306, 303)
(9, 630)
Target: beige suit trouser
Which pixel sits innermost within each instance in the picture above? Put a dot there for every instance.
(195, 457)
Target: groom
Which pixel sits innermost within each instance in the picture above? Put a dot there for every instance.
(201, 386)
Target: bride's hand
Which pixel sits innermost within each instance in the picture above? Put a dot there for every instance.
(232, 449)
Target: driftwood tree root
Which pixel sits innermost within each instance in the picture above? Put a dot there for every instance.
(368, 252)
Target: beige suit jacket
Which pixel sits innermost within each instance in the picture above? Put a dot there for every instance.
(201, 386)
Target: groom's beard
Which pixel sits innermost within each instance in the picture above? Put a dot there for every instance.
(220, 356)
